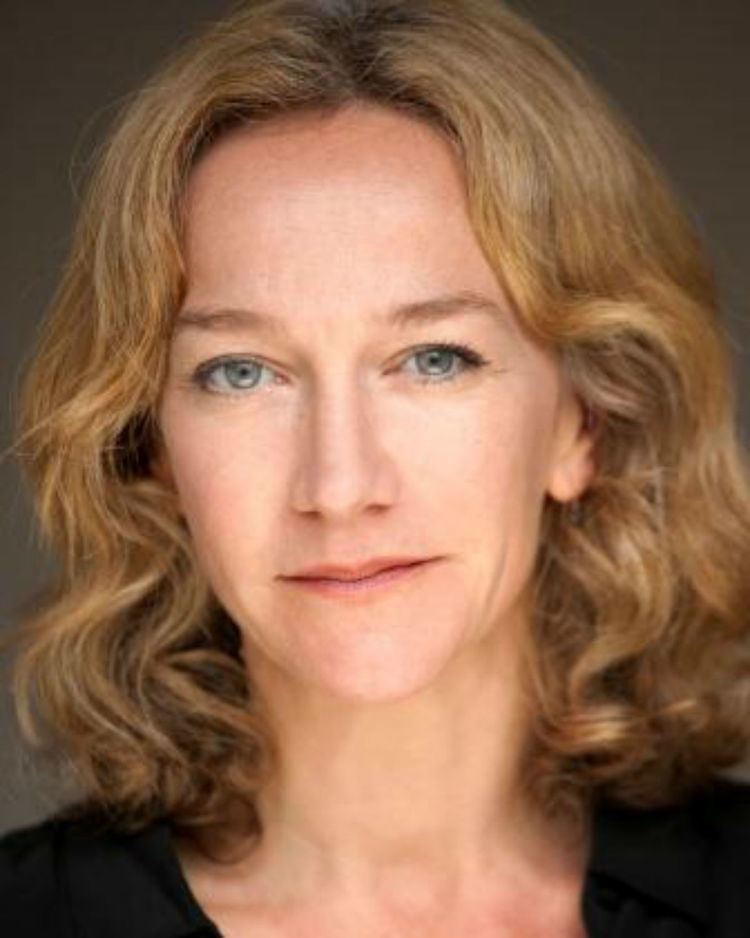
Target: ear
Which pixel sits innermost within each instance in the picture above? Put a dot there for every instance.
(572, 464)
(161, 468)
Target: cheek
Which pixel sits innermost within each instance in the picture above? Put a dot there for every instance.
(497, 507)
(474, 467)
(221, 476)
(503, 455)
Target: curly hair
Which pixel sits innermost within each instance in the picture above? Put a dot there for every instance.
(635, 662)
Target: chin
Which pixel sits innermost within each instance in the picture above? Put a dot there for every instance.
(364, 658)
(374, 692)
(376, 679)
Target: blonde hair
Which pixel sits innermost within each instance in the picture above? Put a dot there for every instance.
(635, 663)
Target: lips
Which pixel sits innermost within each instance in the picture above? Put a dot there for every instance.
(355, 572)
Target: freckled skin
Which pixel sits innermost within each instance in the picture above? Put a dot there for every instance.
(394, 706)
(325, 223)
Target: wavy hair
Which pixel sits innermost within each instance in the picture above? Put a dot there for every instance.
(636, 661)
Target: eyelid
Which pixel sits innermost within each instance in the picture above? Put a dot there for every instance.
(472, 360)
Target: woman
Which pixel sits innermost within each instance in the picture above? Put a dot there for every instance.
(384, 424)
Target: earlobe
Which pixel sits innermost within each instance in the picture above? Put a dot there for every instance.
(161, 469)
(574, 466)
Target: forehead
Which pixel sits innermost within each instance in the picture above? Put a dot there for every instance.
(312, 213)
(359, 135)
(361, 164)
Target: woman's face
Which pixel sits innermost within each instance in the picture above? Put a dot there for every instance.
(337, 436)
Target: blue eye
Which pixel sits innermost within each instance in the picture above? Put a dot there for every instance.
(233, 375)
(229, 375)
(447, 353)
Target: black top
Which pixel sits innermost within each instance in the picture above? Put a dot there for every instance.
(677, 872)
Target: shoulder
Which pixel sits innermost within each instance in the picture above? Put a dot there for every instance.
(29, 883)
(725, 805)
(714, 820)
(59, 878)
(720, 817)
(723, 820)
(692, 858)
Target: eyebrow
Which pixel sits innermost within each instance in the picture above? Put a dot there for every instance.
(417, 312)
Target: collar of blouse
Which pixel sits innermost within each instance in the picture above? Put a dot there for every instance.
(674, 871)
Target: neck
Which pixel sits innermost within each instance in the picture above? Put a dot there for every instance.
(369, 797)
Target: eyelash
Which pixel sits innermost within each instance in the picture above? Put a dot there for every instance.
(472, 361)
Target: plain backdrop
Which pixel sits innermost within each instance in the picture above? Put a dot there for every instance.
(679, 69)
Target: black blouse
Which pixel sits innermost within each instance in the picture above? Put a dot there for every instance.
(676, 872)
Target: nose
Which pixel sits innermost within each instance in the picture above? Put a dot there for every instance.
(343, 466)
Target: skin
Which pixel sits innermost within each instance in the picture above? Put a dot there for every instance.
(398, 807)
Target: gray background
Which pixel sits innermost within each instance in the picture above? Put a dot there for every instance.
(680, 69)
